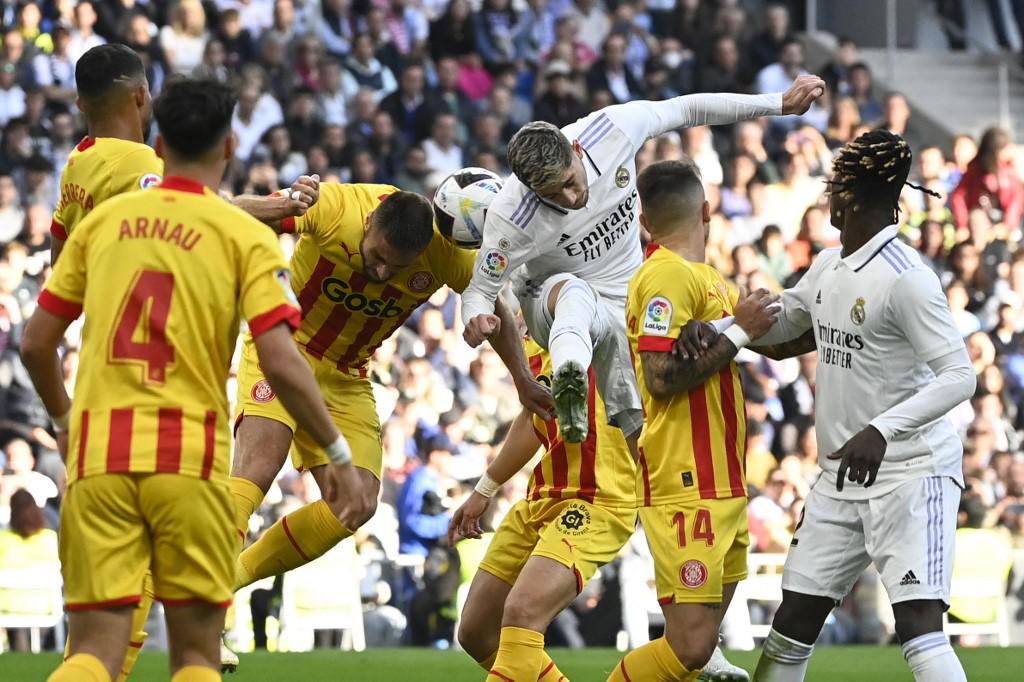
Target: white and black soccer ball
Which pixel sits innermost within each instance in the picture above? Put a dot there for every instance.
(461, 202)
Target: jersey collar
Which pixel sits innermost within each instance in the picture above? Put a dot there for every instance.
(180, 184)
(864, 255)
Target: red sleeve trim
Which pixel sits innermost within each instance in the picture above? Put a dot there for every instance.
(59, 231)
(92, 605)
(61, 307)
(657, 344)
(288, 314)
(288, 225)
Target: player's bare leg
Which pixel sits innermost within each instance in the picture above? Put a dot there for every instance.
(925, 646)
(574, 311)
(98, 640)
(370, 490)
(480, 625)
(140, 614)
(690, 641)
(193, 641)
(543, 589)
(796, 626)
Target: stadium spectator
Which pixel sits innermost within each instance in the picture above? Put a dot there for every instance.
(990, 183)
(364, 70)
(610, 73)
(591, 21)
(559, 104)
(443, 152)
(861, 84)
(83, 36)
(723, 73)
(766, 47)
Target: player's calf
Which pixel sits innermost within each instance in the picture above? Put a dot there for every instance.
(99, 635)
(692, 632)
(480, 625)
(801, 616)
(193, 635)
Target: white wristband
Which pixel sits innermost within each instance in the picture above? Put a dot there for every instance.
(487, 486)
(63, 422)
(723, 324)
(339, 452)
(738, 337)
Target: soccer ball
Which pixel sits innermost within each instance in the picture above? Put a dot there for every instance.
(461, 202)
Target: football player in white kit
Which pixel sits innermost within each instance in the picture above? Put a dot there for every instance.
(564, 231)
(891, 365)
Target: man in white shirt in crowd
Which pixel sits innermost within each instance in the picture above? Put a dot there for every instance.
(444, 154)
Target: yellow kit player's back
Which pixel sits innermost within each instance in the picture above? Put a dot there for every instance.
(158, 275)
(100, 168)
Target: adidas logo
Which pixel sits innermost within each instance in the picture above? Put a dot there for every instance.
(563, 240)
(817, 301)
(910, 579)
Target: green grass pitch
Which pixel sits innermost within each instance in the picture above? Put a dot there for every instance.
(829, 664)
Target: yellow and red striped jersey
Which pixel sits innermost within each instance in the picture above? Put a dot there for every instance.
(345, 316)
(693, 445)
(599, 470)
(100, 168)
(163, 277)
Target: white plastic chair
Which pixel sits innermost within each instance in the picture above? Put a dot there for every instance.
(763, 584)
(40, 585)
(324, 595)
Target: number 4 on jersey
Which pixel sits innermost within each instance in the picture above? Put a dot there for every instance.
(149, 301)
(701, 527)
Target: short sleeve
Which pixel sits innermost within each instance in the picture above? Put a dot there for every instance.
(267, 297)
(669, 297)
(64, 293)
(921, 311)
(140, 169)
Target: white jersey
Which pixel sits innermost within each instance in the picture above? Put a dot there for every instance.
(599, 243)
(880, 316)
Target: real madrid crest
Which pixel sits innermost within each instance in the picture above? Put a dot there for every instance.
(621, 177)
(857, 314)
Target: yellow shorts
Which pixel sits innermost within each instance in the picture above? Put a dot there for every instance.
(575, 533)
(698, 546)
(349, 401)
(115, 527)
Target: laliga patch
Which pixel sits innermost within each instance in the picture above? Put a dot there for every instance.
(494, 264)
(575, 520)
(284, 278)
(693, 574)
(658, 317)
(148, 180)
(262, 392)
(420, 281)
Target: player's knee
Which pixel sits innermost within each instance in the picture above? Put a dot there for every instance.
(523, 611)
(800, 616)
(916, 618)
(693, 648)
(369, 509)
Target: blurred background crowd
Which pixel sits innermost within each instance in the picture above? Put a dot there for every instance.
(407, 91)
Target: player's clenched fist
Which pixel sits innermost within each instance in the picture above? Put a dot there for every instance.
(303, 193)
(481, 328)
(343, 484)
(801, 94)
(465, 522)
(756, 312)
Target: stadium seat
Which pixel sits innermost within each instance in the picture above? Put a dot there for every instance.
(763, 584)
(32, 598)
(324, 595)
(993, 591)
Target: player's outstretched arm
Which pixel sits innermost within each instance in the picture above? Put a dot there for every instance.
(535, 396)
(287, 203)
(290, 377)
(42, 338)
(520, 445)
(667, 374)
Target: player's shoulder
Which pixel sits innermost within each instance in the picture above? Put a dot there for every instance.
(367, 195)
(344, 206)
(515, 205)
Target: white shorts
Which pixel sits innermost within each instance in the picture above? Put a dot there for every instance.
(613, 365)
(908, 533)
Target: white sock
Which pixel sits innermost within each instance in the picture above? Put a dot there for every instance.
(932, 659)
(782, 659)
(575, 326)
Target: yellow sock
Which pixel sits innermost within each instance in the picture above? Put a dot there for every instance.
(247, 496)
(80, 668)
(549, 672)
(196, 673)
(520, 654)
(654, 662)
(305, 534)
(139, 617)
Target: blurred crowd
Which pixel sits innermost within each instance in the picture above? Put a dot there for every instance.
(405, 92)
